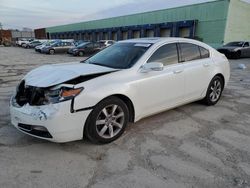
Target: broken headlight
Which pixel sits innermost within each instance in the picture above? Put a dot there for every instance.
(62, 94)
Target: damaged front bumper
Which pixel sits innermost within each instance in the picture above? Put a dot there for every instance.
(53, 122)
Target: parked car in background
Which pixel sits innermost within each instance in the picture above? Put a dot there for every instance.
(33, 44)
(123, 83)
(105, 43)
(39, 47)
(23, 42)
(78, 42)
(85, 48)
(235, 50)
(57, 47)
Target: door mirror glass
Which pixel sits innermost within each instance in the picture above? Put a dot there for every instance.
(154, 66)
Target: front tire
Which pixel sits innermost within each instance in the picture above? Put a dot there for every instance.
(51, 52)
(107, 121)
(236, 55)
(214, 91)
(81, 53)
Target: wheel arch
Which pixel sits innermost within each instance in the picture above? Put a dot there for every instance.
(222, 77)
(128, 103)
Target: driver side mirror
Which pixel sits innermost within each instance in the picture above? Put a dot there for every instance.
(154, 66)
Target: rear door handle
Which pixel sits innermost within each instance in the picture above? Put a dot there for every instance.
(178, 71)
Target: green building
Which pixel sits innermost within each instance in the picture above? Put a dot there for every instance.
(214, 23)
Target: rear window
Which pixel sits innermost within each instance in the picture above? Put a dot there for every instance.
(189, 52)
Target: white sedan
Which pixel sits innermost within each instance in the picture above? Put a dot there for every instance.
(123, 83)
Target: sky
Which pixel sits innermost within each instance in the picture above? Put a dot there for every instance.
(16, 14)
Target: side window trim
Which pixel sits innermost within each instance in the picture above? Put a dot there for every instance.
(179, 53)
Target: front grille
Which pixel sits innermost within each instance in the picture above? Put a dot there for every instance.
(31, 129)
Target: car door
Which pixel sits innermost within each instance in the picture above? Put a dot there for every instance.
(159, 90)
(58, 47)
(197, 67)
(245, 52)
(63, 47)
(96, 47)
(67, 46)
(88, 48)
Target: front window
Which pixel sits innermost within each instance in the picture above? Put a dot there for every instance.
(236, 44)
(120, 55)
(166, 55)
(54, 44)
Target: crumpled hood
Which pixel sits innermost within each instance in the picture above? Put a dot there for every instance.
(51, 75)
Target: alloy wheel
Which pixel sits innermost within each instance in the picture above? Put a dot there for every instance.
(51, 52)
(215, 90)
(80, 53)
(110, 121)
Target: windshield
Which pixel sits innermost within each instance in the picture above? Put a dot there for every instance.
(53, 44)
(49, 43)
(238, 44)
(120, 55)
(82, 44)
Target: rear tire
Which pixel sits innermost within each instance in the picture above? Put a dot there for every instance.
(214, 91)
(107, 121)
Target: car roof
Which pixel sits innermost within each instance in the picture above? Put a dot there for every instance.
(162, 40)
(154, 40)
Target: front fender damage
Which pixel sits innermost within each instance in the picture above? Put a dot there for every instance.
(39, 96)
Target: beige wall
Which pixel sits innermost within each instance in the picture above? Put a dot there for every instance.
(238, 21)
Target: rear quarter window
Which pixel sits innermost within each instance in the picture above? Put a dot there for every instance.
(204, 52)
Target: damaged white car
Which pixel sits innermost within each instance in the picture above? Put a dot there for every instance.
(123, 83)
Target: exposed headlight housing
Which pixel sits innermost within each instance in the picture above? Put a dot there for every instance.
(62, 94)
(36, 96)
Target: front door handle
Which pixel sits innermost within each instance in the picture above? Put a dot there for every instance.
(178, 71)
